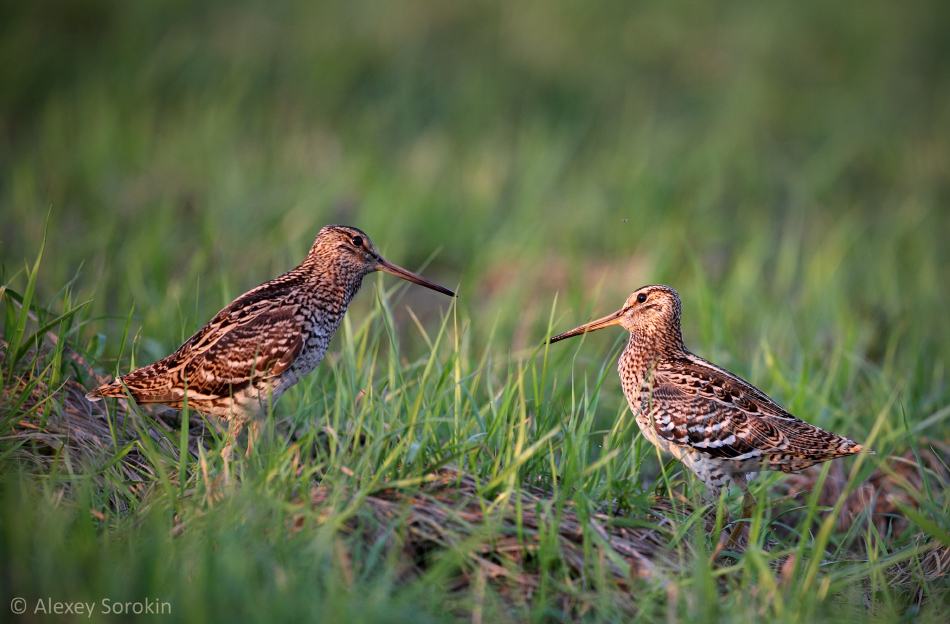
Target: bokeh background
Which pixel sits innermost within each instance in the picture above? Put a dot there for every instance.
(784, 165)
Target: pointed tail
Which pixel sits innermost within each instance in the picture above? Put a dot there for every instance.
(858, 448)
(112, 389)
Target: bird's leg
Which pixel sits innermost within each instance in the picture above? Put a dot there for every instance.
(234, 430)
(226, 456)
(748, 508)
(252, 433)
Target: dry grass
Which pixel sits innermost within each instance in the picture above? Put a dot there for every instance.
(503, 539)
(60, 425)
(877, 495)
(447, 512)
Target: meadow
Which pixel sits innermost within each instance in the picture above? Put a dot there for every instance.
(784, 166)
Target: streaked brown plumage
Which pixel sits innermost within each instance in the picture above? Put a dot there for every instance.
(265, 341)
(720, 426)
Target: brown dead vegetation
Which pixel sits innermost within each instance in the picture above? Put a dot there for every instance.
(501, 539)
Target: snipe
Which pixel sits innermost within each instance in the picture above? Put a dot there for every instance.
(721, 427)
(265, 341)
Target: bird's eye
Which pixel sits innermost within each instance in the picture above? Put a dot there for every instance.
(358, 241)
(641, 298)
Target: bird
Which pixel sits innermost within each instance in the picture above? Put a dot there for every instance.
(266, 340)
(720, 426)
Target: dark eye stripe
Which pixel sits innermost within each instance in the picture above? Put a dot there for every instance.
(358, 241)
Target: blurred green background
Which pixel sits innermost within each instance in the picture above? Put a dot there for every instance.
(784, 165)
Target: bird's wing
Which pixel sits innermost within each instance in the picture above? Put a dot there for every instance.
(698, 404)
(249, 341)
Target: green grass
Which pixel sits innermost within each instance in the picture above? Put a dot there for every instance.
(784, 167)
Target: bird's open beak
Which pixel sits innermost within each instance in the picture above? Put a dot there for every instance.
(385, 265)
(613, 319)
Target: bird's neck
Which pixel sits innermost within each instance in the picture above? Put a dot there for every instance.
(644, 350)
(335, 285)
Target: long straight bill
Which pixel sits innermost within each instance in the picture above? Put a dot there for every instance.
(388, 267)
(607, 321)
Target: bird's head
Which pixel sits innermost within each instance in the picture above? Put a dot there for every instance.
(650, 312)
(351, 250)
